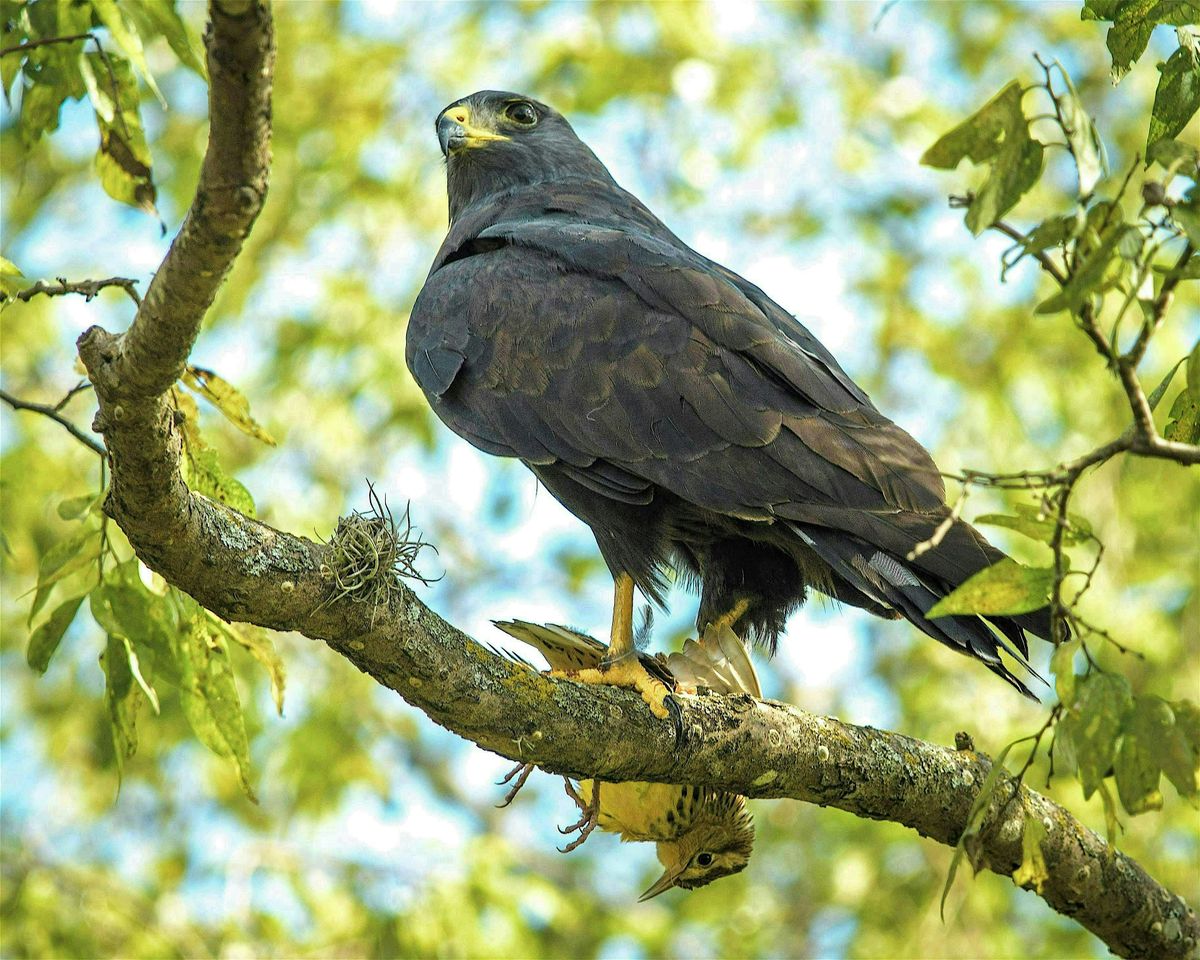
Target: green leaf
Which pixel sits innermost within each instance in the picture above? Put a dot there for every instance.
(46, 638)
(11, 278)
(997, 134)
(975, 817)
(135, 668)
(228, 399)
(124, 606)
(75, 507)
(1187, 215)
(1135, 20)
(1050, 233)
(200, 466)
(209, 696)
(1081, 134)
(1093, 723)
(128, 39)
(1062, 665)
(1136, 766)
(1088, 276)
(1169, 153)
(1193, 372)
(1180, 756)
(1176, 99)
(1183, 425)
(1032, 872)
(51, 77)
(160, 18)
(122, 699)
(1034, 523)
(258, 644)
(63, 559)
(1156, 397)
(123, 160)
(1006, 587)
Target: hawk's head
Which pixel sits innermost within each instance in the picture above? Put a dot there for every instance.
(494, 140)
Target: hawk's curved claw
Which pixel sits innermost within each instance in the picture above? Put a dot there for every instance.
(671, 701)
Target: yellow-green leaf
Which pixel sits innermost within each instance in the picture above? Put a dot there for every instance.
(228, 399)
(1032, 872)
(46, 638)
(1006, 587)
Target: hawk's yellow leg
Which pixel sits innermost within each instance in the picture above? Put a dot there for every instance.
(622, 667)
(727, 620)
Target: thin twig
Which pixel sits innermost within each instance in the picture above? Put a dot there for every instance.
(87, 288)
(49, 411)
(46, 41)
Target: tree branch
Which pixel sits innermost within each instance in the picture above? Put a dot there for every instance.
(244, 570)
(88, 288)
(52, 412)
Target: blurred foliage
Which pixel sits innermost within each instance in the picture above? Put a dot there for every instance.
(772, 137)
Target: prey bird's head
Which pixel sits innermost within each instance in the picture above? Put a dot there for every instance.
(717, 844)
(494, 141)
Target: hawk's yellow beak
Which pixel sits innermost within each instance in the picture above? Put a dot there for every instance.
(456, 130)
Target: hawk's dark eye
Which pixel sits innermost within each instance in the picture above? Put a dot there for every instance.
(522, 113)
(704, 859)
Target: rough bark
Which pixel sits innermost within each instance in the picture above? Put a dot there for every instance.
(244, 570)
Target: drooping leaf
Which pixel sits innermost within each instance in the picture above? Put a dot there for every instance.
(160, 18)
(258, 644)
(46, 638)
(1084, 140)
(208, 694)
(998, 134)
(975, 818)
(200, 465)
(1193, 372)
(125, 607)
(1187, 215)
(122, 698)
(135, 669)
(1006, 587)
(63, 559)
(228, 399)
(1034, 523)
(1136, 767)
(1176, 99)
(113, 16)
(1156, 396)
(75, 507)
(1133, 23)
(1032, 872)
(123, 160)
(1062, 665)
(1093, 723)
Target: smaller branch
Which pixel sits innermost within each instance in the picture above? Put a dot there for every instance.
(80, 387)
(51, 412)
(1040, 255)
(46, 41)
(88, 288)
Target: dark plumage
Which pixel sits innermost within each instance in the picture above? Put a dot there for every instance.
(671, 405)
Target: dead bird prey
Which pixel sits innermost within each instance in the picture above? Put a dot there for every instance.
(700, 834)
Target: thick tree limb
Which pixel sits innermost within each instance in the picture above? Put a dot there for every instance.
(244, 570)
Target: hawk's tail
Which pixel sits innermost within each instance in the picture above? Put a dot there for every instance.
(885, 581)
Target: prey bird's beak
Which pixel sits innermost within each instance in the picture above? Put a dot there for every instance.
(456, 129)
(662, 884)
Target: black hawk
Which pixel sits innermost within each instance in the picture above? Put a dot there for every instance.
(671, 405)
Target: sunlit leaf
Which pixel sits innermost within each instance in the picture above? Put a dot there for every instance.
(200, 465)
(113, 17)
(1006, 587)
(1033, 522)
(228, 399)
(11, 278)
(1032, 872)
(160, 18)
(258, 644)
(122, 698)
(1183, 424)
(1080, 131)
(998, 134)
(123, 160)
(1062, 665)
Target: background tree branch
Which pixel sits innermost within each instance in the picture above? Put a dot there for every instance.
(244, 570)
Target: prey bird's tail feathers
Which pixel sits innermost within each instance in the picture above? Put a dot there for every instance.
(718, 660)
(903, 586)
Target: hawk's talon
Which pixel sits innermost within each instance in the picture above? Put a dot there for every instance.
(671, 702)
(524, 769)
(633, 675)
